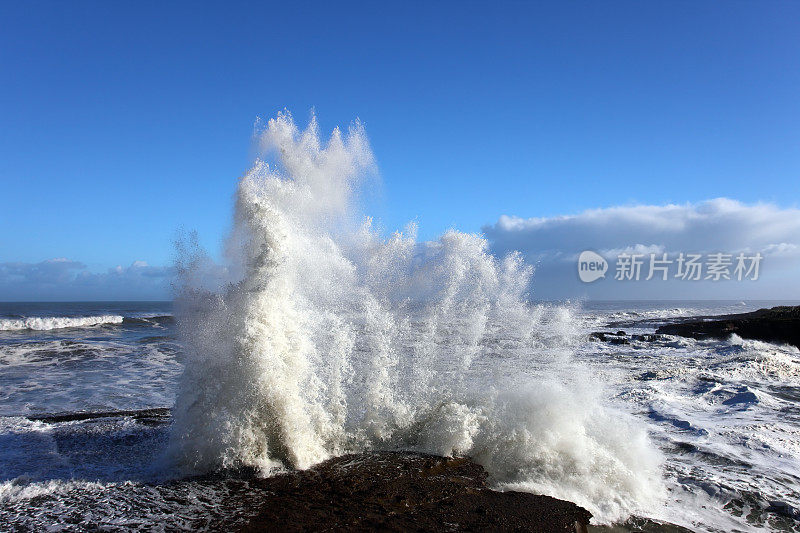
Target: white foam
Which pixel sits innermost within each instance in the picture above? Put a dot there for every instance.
(56, 322)
(20, 489)
(327, 338)
(724, 412)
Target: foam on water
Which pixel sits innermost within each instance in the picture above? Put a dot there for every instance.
(324, 337)
(56, 322)
(724, 412)
(87, 372)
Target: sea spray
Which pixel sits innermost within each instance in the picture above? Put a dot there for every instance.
(320, 337)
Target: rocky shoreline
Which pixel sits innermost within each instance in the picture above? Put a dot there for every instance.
(396, 491)
(779, 325)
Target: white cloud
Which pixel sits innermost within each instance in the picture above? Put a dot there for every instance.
(551, 244)
(719, 225)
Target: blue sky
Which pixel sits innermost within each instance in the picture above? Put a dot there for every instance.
(125, 121)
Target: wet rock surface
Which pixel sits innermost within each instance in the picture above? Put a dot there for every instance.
(396, 491)
(778, 324)
(620, 337)
(157, 415)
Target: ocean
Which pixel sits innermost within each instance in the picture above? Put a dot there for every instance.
(722, 414)
(317, 336)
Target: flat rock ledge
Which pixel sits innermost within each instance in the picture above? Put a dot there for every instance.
(778, 324)
(399, 491)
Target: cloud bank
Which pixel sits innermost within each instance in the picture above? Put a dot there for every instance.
(64, 279)
(720, 225)
(551, 244)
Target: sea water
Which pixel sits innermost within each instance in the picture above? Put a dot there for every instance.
(318, 336)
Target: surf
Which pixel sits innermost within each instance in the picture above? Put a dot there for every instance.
(56, 322)
(318, 336)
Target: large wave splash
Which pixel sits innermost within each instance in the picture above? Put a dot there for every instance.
(324, 338)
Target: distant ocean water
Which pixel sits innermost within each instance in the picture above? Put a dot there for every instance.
(60, 357)
(723, 414)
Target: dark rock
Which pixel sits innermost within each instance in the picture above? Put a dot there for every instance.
(778, 324)
(641, 524)
(395, 491)
(783, 509)
(612, 338)
(647, 337)
(597, 336)
(621, 337)
(155, 415)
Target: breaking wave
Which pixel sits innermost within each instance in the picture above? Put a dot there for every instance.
(56, 322)
(318, 337)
